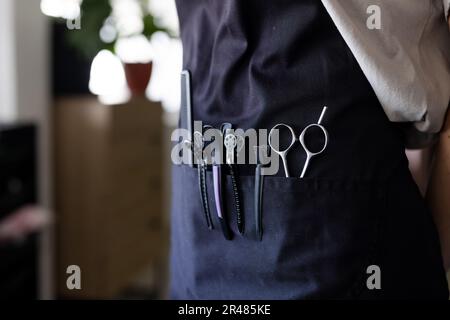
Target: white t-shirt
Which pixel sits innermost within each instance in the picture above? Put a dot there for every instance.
(403, 48)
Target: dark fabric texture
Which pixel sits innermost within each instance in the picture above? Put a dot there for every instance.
(258, 63)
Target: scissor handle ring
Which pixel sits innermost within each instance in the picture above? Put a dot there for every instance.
(198, 136)
(230, 141)
(302, 139)
(279, 151)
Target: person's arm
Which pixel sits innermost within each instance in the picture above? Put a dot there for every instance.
(420, 166)
(438, 194)
(438, 186)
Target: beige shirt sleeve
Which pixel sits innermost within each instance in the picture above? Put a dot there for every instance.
(406, 59)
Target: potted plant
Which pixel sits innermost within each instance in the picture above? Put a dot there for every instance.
(138, 74)
(100, 30)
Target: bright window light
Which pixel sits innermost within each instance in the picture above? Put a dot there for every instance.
(136, 49)
(128, 16)
(166, 12)
(66, 9)
(165, 82)
(108, 78)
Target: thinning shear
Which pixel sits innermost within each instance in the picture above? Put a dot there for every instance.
(309, 154)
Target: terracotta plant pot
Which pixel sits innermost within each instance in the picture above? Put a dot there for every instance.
(138, 76)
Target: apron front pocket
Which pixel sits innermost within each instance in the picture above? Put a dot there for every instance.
(319, 237)
(328, 232)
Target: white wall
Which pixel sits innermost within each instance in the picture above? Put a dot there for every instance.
(8, 107)
(25, 95)
(34, 103)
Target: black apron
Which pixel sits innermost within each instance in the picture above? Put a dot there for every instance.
(258, 63)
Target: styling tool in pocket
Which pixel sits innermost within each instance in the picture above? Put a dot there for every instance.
(274, 145)
(231, 144)
(258, 193)
(219, 196)
(186, 115)
(201, 168)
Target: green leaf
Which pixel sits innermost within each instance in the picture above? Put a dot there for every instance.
(87, 39)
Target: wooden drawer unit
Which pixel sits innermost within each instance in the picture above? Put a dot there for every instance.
(108, 163)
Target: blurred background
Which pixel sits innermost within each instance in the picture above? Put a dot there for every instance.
(88, 98)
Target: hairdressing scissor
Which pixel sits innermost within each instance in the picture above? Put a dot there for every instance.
(309, 154)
